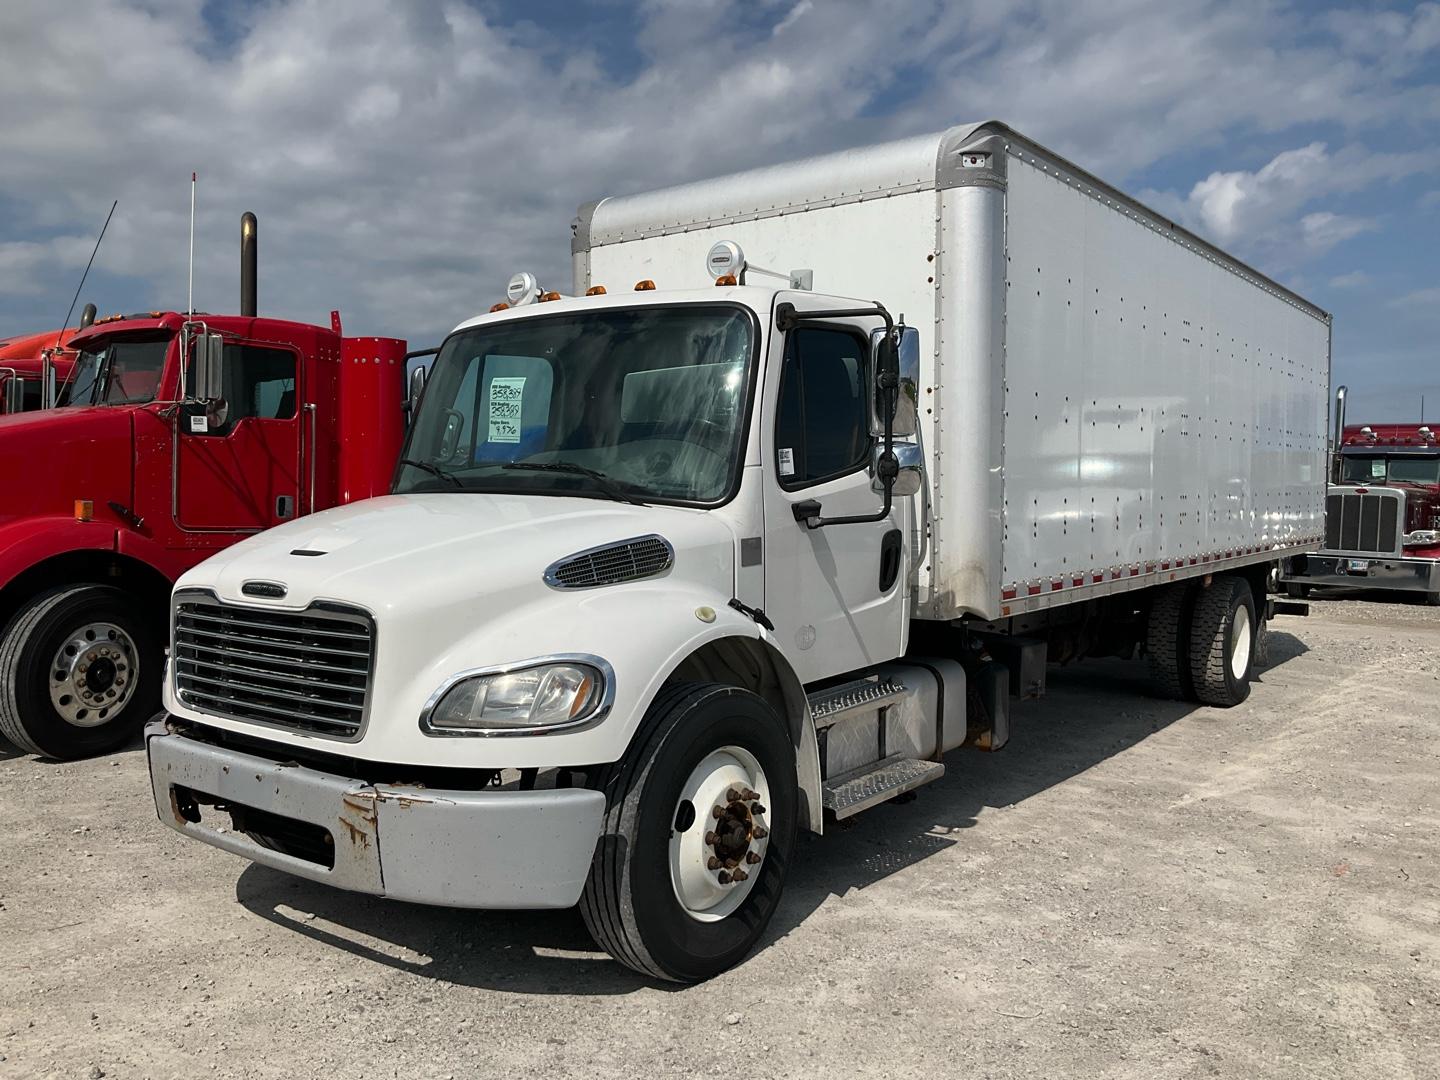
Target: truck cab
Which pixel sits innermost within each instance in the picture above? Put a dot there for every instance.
(149, 466)
(1382, 514)
(34, 369)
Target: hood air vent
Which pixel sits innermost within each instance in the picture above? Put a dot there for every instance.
(612, 564)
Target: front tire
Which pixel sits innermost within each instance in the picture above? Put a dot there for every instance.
(698, 836)
(79, 673)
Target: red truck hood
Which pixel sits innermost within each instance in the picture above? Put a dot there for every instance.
(51, 458)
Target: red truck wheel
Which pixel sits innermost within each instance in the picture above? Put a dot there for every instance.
(79, 673)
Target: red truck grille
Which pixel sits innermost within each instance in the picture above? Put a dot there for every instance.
(303, 670)
(1368, 522)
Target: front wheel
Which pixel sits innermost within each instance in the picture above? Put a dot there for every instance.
(79, 673)
(699, 832)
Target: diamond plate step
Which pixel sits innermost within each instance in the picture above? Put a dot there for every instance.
(835, 703)
(869, 785)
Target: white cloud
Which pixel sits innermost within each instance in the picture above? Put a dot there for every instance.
(1355, 279)
(405, 158)
(1418, 299)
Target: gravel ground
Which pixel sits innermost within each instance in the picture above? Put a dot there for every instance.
(1132, 888)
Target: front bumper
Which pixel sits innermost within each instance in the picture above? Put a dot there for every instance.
(479, 849)
(1364, 572)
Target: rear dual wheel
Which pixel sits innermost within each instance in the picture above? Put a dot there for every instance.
(79, 673)
(1203, 641)
(699, 831)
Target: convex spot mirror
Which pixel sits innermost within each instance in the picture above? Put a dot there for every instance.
(908, 469)
(907, 398)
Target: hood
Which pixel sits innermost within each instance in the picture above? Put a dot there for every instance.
(51, 458)
(440, 551)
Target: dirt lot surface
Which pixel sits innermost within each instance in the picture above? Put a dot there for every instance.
(1130, 889)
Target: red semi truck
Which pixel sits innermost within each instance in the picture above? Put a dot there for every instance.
(1382, 513)
(179, 435)
(23, 368)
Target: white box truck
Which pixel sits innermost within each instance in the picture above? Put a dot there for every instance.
(818, 465)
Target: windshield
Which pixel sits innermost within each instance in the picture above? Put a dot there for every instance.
(123, 372)
(637, 403)
(1400, 469)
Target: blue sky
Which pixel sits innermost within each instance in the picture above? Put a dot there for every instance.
(406, 158)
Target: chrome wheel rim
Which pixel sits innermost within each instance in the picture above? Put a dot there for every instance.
(1240, 640)
(719, 834)
(93, 674)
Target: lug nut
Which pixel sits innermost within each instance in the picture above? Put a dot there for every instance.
(756, 808)
(732, 796)
(740, 875)
(712, 837)
(760, 832)
(723, 878)
(752, 858)
(730, 864)
(717, 812)
(712, 863)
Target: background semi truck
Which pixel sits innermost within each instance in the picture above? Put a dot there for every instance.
(1382, 520)
(105, 501)
(818, 462)
(34, 368)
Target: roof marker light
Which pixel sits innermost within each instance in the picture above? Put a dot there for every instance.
(502, 306)
(546, 298)
(645, 286)
(726, 279)
(595, 290)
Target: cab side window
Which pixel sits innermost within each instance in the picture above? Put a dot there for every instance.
(262, 382)
(823, 419)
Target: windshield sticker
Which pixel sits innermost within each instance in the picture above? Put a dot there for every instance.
(506, 397)
(787, 461)
(1377, 467)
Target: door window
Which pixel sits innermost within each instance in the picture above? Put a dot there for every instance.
(823, 420)
(259, 384)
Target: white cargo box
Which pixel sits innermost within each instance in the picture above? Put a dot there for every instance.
(1110, 401)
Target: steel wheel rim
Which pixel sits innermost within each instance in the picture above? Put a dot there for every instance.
(701, 852)
(1240, 640)
(93, 674)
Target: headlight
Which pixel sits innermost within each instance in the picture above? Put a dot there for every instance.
(1422, 536)
(540, 698)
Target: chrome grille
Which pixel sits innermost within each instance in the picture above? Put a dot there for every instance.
(628, 560)
(1368, 522)
(304, 670)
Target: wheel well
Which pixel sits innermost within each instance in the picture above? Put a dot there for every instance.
(142, 581)
(753, 665)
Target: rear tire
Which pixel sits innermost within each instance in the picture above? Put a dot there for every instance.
(1222, 642)
(79, 673)
(651, 901)
(1297, 591)
(1167, 640)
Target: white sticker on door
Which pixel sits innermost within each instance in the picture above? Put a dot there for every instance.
(506, 397)
(199, 425)
(787, 461)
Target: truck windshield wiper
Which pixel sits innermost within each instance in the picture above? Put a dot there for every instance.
(433, 470)
(603, 482)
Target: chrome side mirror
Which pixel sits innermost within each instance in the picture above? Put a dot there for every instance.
(415, 391)
(209, 367)
(14, 392)
(909, 469)
(907, 398)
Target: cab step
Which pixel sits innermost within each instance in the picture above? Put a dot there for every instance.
(836, 703)
(878, 782)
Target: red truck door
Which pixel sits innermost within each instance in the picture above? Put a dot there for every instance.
(239, 461)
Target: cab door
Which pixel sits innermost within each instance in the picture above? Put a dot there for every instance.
(835, 593)
(239, 459)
